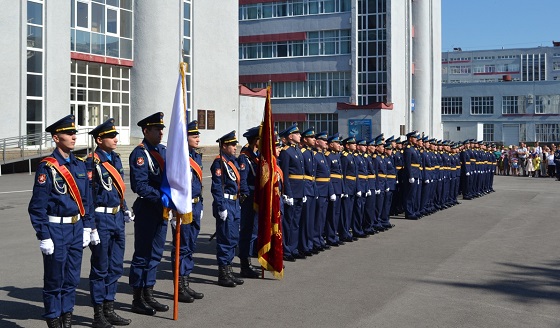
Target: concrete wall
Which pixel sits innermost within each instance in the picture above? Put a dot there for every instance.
(215, 65)
(251, 111)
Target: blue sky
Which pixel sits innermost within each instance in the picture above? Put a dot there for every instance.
(496, 24)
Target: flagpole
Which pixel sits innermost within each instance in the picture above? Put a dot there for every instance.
(183, 68)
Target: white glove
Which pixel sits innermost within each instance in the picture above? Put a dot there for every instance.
(359, 193)
(290, 201)
(411, 180)
(86, 237)
(432, 181)
(368, 193)
(304, 199)
(285, 198)
(201, 213)
(468, 174)
(378, 191)
(333, 197)
(94, 236)
(223, 215)
(426, 181)
(128, 216)
(173, 223)
(387, 190)
(46, 246)
(344, 196)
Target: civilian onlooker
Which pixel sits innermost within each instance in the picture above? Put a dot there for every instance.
(529, 168)
(551, 164)
(506, 162)
(498, 155)
(536, 165)
(544, 161)
(522, 153)
(514, 165)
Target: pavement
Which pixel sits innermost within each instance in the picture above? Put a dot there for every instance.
(490, 262)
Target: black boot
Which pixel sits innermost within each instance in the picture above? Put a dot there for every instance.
(99, 320)
(223, 277)
(184, 297)
(247, 270)
(190, 291)
(149, 298)
(66, 320)
(139, 305)
(54, 323)
(112, 316)
(236, 280)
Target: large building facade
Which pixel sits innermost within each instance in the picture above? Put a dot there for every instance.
(506, 96)
(118, 58)
(356, 67)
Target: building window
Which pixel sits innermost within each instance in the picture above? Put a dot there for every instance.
(291, 8)
(482, 105)
(102, 28)
(547, 104)
(452, 105)
(549, 132)
(488, 132)
(556, 66)
(187, 48)
(460, 69)
(533, 67)
(513, 104)
(35, 63)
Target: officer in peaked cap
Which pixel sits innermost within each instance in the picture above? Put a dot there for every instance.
(333, 210)
(292, 166)
(60, 214)
(362, 189)
(307, 143)
(111, 214)
(325, 190)
(412, 177)
(350, 175)
(147, 162)
(189, 232)
(225, 208)
(248, 170)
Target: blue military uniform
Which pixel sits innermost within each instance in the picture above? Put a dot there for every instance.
(350, 174)
(306, 228)
(225, 208)
(189, 232)
(391, 185)
(361, 190)
(147, 163)
(412, 175)
(369, 207)
(380, 185)
(324, 192)
(110, 206)
(59, 220)
(248, 161)
(291, 164)
(333, 210)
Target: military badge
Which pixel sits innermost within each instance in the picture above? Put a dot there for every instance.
(89, 175)
(219, 172)
(42, 178)
(242, 166)
(140, 161)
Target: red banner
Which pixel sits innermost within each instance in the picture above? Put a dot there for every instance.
(267, 198)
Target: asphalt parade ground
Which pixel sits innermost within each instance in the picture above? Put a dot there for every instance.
(490, 262)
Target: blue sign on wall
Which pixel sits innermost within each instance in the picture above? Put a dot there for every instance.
(361, 129)
(412, 105)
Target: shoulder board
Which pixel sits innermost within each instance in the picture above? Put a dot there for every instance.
(344, 153)
(408, 146)
(141, 145)
(366, 155)
(422, 150)
(356, 154)
(81, 159)
(374, 155)
(303, 150)
(118, 154)
(285, 147)
(327, 153)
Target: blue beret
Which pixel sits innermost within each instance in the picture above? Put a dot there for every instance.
(252, 132)
(155, 119)
(289, 130)
(309, 133)
(228, 138)
(192, 128)
(105, 128)
(65, 124)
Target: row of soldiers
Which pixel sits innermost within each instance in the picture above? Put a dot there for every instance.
(334, 191)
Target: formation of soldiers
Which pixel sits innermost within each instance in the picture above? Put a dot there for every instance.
(334, 191)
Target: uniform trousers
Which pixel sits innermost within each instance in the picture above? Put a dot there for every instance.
(188, 236)
(227, 231)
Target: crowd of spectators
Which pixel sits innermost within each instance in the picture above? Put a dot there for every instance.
(536, 161)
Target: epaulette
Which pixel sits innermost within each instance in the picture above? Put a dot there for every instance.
(303, 150)
(327, 153)
(374, 155)
(81, 159)
(285, 147)
(344, 153)
(356, 154)
(408, 146)
(421, 150)
(118, 154)
(366, 155)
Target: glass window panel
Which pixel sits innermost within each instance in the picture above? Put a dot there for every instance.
(94, 82)
(112, 25)
(126, 4)
(94, 69)
(126, 24)
(34, 61)
(186, 28)
(112, 46)
(82, 15)
(116, 97)
(100, 1)
(125, 85)
(116, 85)
(116, 72)
(126, 48)
(97, 18)
(34, 36)
(82, 41)
(34, 110)
(106, 71)
(98, 44)
(282, 50)
(72, 40)
(33, 129)
(125, 98)
(125, 116)
(72, 94)
(93, 96)
(106, 84)
(34, 13)
(106, 97)
(34, 85)
(186, 10)
(106, 113)
(125, 72)
(114, 3)
(81, 94)
(81, 81)
(117, 115)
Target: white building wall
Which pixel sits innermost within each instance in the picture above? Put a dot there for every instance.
(13, 67)
(216, 66)
(251, 110)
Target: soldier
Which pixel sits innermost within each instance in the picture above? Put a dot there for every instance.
(333, 210)
(428, 171)
(111, 214)
(325, 191)
(189, 232)
(248, 167)
(412, 176)
(362, 190)
(350, 174)
(60, 212)
(390, 185)
(225, 208)
(147, 162)
(380, 182)
(305, 246)
(369, 207)
(291, 163)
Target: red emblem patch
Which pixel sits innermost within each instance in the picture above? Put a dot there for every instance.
(242, 166)
(219, 172)
(42, 178)
(89, 175)
(140, 161)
